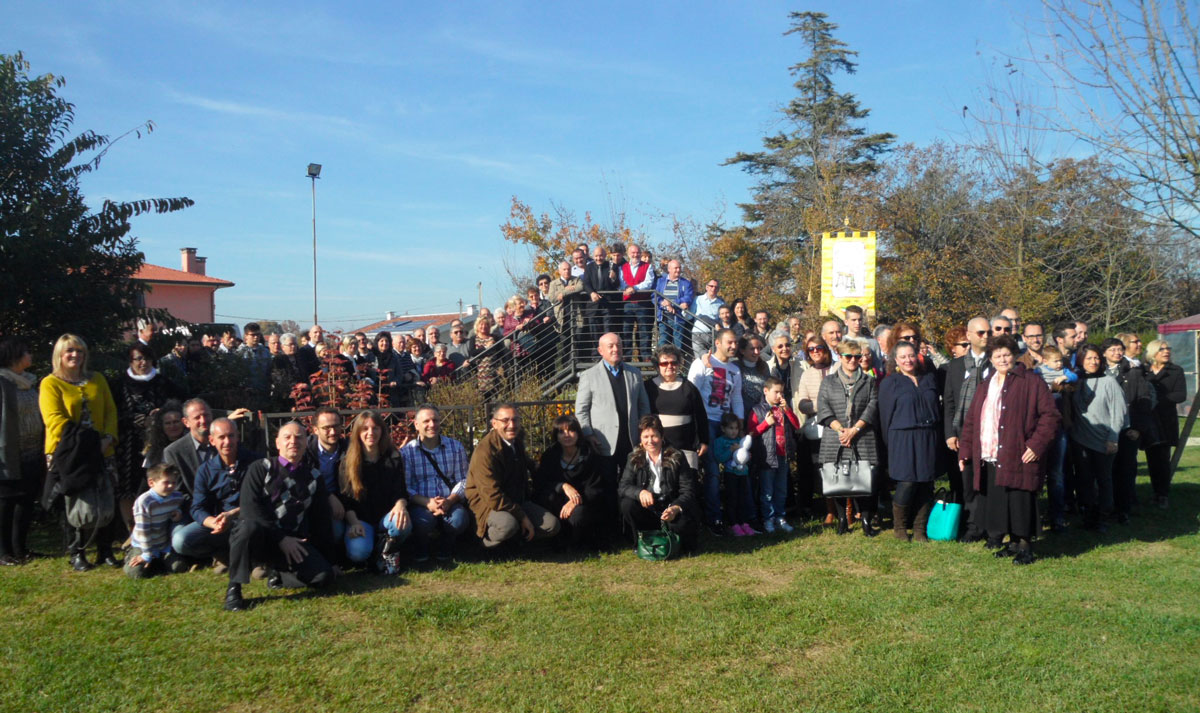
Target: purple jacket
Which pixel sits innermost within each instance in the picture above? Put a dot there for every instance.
(1028, 419)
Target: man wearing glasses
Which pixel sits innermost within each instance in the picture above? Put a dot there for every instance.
(963, 377)
(498, 485)
(1034, 337)
(707, 308)
(1001, 325)
(458, 349)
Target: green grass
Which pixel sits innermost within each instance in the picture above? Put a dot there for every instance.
(814, 622)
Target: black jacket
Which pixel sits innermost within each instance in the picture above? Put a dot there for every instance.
(549, 478)
(678, 480)
(77, 462)
(1171, 389)
(1138, 397)
(596, 278)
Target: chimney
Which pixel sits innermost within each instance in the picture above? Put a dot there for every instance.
(390, 316)
(191, 263)
(472, 310)
(201, 265)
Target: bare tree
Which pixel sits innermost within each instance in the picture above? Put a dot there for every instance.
(1124, 79)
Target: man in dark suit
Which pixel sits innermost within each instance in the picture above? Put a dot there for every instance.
(306, 356)
(193, 450)
(599, 277)
(963, 377)
(498, 488)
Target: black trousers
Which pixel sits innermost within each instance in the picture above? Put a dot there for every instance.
(1158, 463)
(250, 543)
(1124, 475)
(974, 503)
(637, 518)
(1009, 511)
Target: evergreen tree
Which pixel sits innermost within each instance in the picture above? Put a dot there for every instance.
(64, 267)
(805, 170)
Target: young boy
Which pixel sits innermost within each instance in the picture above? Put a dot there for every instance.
(739, 502)
(1061, 381)
(154, 513)
(774, 426)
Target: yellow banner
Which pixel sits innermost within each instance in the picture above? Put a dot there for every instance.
(847, 271)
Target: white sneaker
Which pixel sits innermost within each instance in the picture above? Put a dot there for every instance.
(769, 527)
(783, 525)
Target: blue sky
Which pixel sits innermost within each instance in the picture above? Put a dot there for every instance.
(429, 117)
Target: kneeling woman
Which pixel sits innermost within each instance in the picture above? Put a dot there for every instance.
(659, 487)
(568, 482)
(1006, 435)
(374, 494)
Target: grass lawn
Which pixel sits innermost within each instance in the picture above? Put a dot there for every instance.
(812, 622)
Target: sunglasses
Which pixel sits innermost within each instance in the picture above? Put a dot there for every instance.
(963, 345)
(665, 364)
(852, 356)
(1004, 330)
(908, 338)
(980, 333)
(815, 350)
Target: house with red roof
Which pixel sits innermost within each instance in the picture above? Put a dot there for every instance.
(187, 293)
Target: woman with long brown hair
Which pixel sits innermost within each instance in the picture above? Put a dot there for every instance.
(374, 494)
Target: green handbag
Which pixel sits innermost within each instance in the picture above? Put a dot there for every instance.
(657, 545)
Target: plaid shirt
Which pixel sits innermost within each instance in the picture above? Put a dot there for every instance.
(423, 480)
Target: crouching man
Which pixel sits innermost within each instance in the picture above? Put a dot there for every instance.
(284, 519)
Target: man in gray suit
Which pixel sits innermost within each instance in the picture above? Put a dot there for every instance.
(610, 401)
(193, 450)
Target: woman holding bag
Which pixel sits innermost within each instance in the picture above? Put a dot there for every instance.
(1008, 429)
(910, 422)
(847, 406)
(72, 394)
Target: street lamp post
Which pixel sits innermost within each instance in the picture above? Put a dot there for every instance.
(314, 172)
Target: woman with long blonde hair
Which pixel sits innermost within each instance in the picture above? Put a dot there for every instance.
(74, 394)
(373, 494)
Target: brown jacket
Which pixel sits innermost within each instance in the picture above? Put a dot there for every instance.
(498, 479)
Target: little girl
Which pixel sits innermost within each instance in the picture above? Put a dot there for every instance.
(739, 501)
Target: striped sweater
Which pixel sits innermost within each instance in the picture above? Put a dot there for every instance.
(152, 518)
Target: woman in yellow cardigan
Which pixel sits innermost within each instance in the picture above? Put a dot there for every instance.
(72, 393)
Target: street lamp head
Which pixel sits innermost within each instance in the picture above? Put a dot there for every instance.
(314, 170)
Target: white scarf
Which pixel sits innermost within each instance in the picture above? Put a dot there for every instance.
(23, 381)
(142, 377)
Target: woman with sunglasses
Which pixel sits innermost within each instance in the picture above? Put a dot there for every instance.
(1006, 437)
(819, 361)
(679, 406)
(910, 422)
(847, 407)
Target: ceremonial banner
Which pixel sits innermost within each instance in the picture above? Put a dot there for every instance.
(847, 271)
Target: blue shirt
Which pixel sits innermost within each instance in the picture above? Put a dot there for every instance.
(218, 486)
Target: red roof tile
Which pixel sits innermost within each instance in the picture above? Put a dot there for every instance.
(158, 273)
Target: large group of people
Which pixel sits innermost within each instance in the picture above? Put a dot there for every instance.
(731, 435)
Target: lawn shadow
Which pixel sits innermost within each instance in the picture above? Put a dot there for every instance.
(1148, 524)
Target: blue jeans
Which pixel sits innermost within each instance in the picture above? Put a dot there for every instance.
(197, 541)
(1056, 490)
(639, 315)
(358, 549)
(774, 485)
(712, 477)
(671, 329)
(425, 524)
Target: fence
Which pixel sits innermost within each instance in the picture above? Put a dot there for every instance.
(465, 423)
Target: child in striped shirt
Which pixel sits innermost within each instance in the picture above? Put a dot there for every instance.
(154, 514)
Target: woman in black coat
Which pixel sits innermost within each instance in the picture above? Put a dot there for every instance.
(910, 422)
(659, 487)
(139, 393)
(848, 408)
(1170, 388)
(568, 483)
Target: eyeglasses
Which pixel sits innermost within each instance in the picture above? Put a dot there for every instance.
(815, 350)
(138, 358)
(712, 285)
(665, 364)
(908, 338)
(852, 356)
(506, 421)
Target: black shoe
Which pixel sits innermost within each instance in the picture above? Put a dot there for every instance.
(233, 598)
(1058, 526)
(79, 562)
(108, 559)
(391, 545)
(972, 537)
(843, 524)
(274, 580)
(1122, 518)
(716, 529)
(994, 543)
(1004, 551)
(1024, 557)
(9, 561)
(868, 528)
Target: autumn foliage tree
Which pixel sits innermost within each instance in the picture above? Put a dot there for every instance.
(552, 238)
